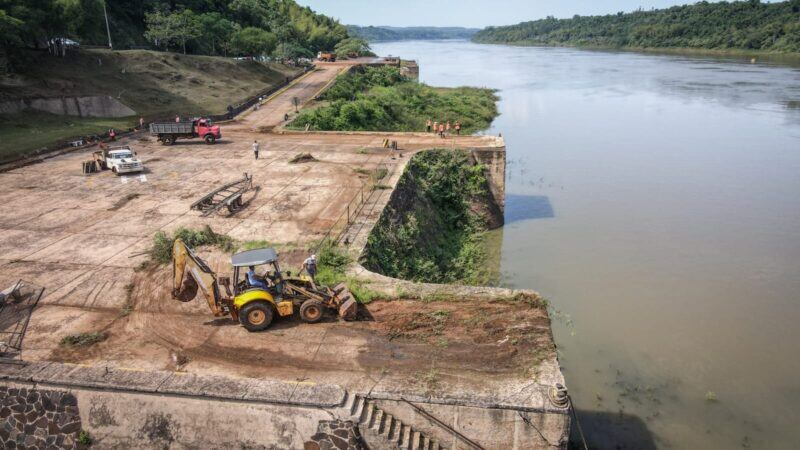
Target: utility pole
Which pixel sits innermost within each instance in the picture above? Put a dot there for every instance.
(108, 29)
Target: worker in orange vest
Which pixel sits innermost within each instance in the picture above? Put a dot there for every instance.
(441, 130)
(458, 128)
(435, 127)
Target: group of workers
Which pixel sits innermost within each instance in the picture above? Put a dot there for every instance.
(443, 128)
(309, 265)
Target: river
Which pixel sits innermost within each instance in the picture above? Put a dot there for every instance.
(655, 201)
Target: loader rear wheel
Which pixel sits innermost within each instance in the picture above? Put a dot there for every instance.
(256, 316)
(311, 311)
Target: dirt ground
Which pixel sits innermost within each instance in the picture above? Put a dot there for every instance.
(83, 236)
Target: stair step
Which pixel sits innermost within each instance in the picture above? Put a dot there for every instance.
(377, 420)
(405, 437)
(391, 428)
(416, 441)
(369, 413)
(358, 404)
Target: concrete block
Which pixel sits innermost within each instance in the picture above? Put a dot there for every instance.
(205, 386)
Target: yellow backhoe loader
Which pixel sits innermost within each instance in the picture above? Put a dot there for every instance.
(255, 306)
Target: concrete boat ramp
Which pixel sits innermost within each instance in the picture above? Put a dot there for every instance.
(170, 375)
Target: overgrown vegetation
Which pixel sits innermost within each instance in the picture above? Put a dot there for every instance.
(747, 25)
(432, 230)
(162, 242)
(332, 261)
(381, 99)
(83, 339)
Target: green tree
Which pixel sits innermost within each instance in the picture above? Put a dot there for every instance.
(216, 33)
(171, 29)
(353, 48)
(252, 41)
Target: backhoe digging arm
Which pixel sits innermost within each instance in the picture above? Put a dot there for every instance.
(191, 272)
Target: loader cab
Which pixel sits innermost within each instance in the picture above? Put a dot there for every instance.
(257, 257)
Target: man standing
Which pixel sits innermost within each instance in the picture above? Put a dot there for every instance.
(458, 128)
(428, 124)
(447, 127)
(255, 148)
(177, 118)
(141, 123)
(441, 130)
(310, 266)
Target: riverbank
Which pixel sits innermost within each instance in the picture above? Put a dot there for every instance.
(787, 59)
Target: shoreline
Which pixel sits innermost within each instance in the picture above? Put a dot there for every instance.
(789, 59)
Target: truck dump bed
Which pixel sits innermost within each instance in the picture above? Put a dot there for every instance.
(171, 128)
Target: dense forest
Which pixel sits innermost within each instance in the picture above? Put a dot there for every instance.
(746, 25)
(280, 28)
(383, 34)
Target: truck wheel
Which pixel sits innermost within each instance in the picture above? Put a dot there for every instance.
(210, 139)
(168, 140)
(311, 311)
(256, 316)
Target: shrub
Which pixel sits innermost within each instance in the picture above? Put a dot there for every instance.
(162, 243)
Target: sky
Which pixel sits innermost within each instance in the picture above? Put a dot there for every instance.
(470, 13)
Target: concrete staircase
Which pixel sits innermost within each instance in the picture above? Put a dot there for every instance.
(398, 435)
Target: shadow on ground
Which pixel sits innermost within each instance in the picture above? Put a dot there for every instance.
(611, 430)
(525, 207)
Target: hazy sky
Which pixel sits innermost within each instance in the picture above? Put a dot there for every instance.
(470, 13)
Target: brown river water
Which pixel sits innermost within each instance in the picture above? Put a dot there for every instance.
(655, 200)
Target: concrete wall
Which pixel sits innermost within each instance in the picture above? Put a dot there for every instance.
(96, 106)
(495, 161)
(491, 428)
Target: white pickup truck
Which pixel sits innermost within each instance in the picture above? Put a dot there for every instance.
(120, 160)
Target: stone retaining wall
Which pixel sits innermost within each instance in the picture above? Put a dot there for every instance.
(38, 418)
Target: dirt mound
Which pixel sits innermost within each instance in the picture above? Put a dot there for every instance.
(302, 158)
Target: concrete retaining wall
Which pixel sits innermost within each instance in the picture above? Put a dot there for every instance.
(130, 408)
(95, 106)
(495, 161)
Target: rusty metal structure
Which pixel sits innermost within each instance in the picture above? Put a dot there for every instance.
(228, 196)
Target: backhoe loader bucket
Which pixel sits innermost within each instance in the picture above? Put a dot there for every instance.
(348, 307)
(187, 292)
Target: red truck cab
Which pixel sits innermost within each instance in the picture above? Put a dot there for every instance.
(207, 130)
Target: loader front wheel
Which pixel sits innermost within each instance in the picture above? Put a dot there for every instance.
(311, 311)
(256, 316)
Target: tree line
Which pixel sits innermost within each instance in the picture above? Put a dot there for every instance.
(280, 28)
(384, 34)
(746, 25)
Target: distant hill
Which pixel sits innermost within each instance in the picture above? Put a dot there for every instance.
(385, 33)
(741, 25)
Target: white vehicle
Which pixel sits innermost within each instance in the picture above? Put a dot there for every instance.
(122, 160)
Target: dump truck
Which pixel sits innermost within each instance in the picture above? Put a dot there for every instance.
(255, 306)
(326, 56)
(169, 132)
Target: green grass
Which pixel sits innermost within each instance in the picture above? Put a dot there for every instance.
(84, 339)
(333, 262)
(161, 252)
(29, 131)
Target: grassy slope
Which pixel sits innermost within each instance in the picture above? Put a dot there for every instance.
(154, 84)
